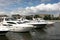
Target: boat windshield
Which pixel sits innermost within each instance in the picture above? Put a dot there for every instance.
(23, 22)
(8, 19)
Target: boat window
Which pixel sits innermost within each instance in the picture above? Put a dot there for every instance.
(26, 22)
(19, 22)
(11, 22)
(6, 25)
(23, 22)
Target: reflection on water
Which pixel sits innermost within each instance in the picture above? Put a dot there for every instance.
(47, 33)
(18, 36)
(38, 34)
(3, 37)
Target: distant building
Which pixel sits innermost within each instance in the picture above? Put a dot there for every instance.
(43, 15)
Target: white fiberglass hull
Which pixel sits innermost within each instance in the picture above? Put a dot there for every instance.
(48, 22)
(3, 29)
(20, 28)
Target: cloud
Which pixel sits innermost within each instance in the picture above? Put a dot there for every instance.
(1, 13)
(4, 13)
(8, 2)
(8, 5)
(42, 8)
(43, 1)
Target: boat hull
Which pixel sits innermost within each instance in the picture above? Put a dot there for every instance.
(3, 31)
(21, 29)
(40, 25)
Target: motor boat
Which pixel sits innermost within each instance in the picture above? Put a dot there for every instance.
(38, 22)
(14, 26)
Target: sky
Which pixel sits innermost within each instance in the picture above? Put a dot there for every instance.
(28, 7)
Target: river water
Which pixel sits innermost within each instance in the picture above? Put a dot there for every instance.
(47, 33)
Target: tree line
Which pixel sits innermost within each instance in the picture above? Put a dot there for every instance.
(51, 17)
(46, 17)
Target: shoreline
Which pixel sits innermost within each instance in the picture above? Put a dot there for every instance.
(54, 20)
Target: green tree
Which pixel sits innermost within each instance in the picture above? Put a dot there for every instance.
(29, 17)
(36, 16)
(47, 17)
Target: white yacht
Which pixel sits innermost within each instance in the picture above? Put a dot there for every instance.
(38, 22)
(14, 26)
